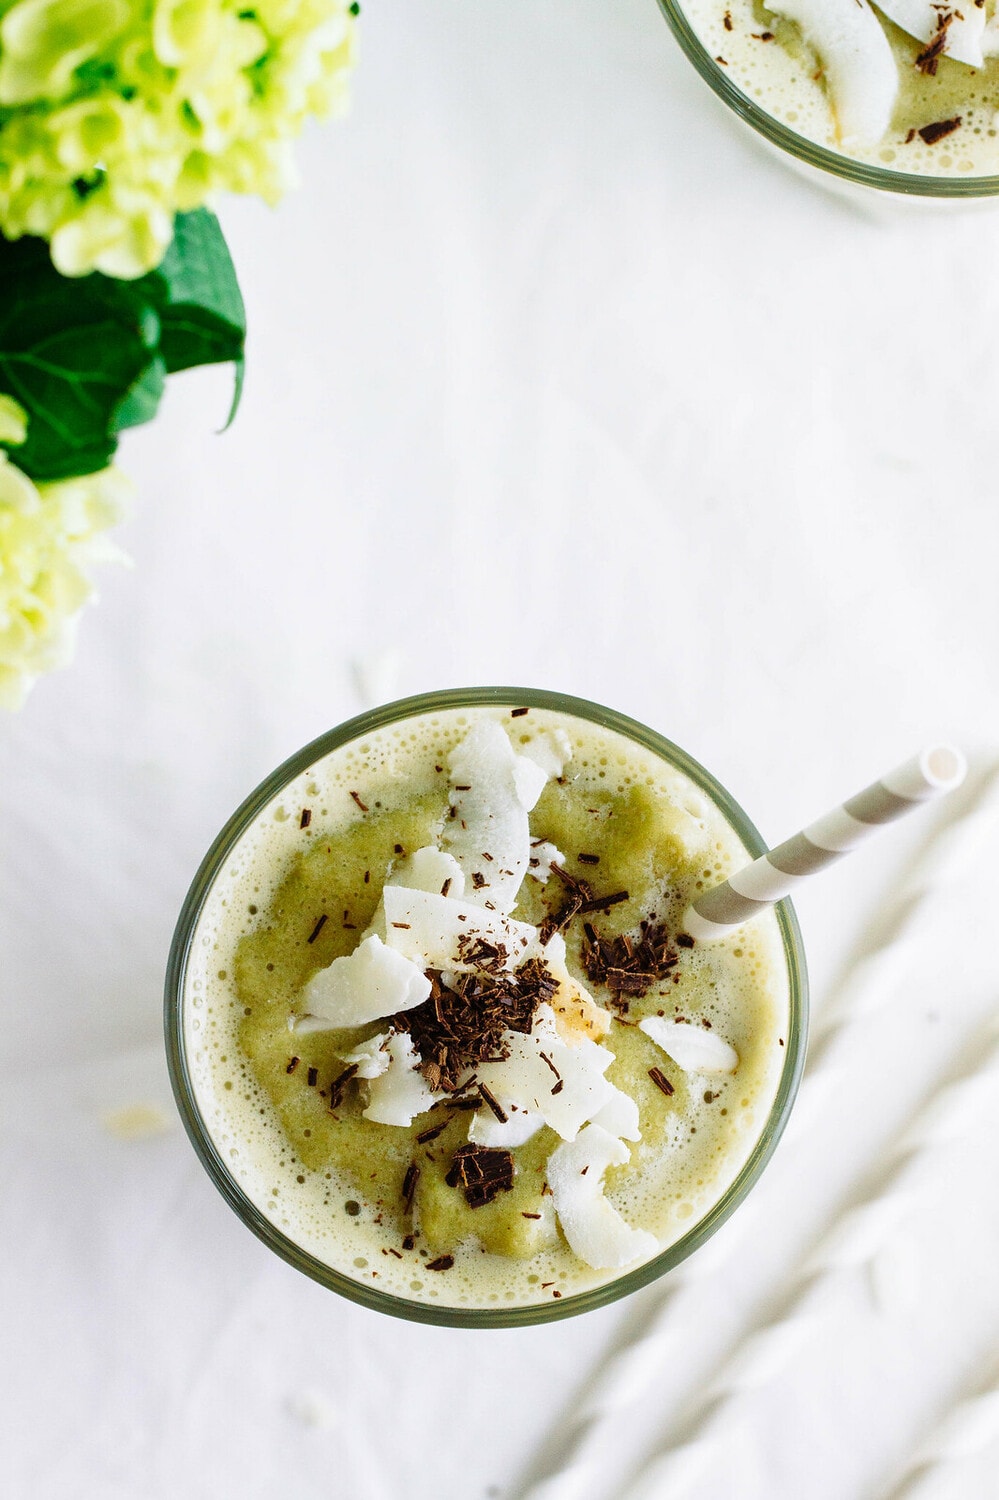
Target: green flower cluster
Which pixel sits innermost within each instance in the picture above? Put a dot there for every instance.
(49, 535)
(115, 114)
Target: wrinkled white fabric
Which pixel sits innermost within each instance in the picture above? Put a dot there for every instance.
(554, 379)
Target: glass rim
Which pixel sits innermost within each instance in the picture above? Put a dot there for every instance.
(183, 1085)
(864, 174)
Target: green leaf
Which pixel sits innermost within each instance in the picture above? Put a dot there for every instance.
(87, 356)
(237, 393)
(197, 294)
(69, 351)
(139, 404)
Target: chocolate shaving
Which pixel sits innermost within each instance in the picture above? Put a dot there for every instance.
(661, 1081)
(482, 1172)
(442, 1263)
(518, 713)
(409, 1182)
(491, 957)
(339, 1085)
(494, 1104)
(312, 1077)
(684, 940)
(409, 1241)
(624, 982)
(457, 1028)
(576, 893)
(936, 132)
(293, 1063)
(929, 59)
(318, 928)
(600, 903)
(629, 965)
(579, 898)
(361, 805)
(431, 1133)
(306, 817)
(525, 1215)
(588, 859)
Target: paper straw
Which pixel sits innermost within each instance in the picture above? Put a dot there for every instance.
(854, 1239)
(576, 1450)
(935, 770)
(946, 857)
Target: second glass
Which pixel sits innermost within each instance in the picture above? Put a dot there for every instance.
(957, 152)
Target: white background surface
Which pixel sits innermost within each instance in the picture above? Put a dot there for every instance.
(554, 379)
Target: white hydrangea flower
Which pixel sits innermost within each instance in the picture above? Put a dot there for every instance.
(115, 114)
(50, 535)
(13, 421)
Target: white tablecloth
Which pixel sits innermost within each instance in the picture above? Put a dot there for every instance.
(553, 379)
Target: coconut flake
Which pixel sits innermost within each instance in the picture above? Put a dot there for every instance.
(551, 749)
(401, 1093)
(543, 856)
(619, 1116)
(963, 37)
(436, 932)
(530, 781)
(565, 1091)
(692, 1048)
(371, 1058)
(428, 869)
(577, 1013)
(492, 791)
(372, 982)
(595, 1231)
(856, 58)
(520, 1126)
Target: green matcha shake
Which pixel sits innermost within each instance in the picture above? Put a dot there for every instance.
(907, 88)
(438, 1031)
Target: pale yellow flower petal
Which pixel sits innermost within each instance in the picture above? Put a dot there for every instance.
(116, 114)
(43, 42)
(13, 421)
(50, 536)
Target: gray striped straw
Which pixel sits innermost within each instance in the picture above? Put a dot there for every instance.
(935, 770)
